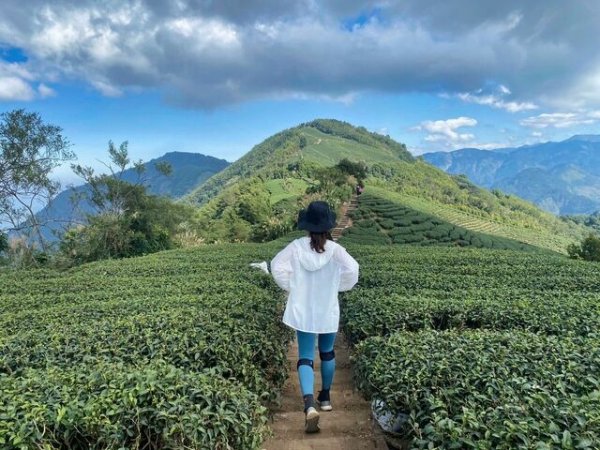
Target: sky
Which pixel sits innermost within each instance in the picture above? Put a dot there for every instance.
(218, 77)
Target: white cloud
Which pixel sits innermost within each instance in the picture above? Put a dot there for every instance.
(211, 53)
(15, 89)
(46, 91)
(504, 90)
(17, 83)
(560, 120)
(107, 89)
(496, 99)
(445, 130)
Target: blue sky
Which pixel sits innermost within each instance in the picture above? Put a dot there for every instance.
(219, 77)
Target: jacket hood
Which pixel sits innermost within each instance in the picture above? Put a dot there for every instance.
(311, 260)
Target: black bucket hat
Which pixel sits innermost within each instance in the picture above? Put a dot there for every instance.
(318, 218)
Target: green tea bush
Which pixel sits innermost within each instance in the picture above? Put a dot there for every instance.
(487, 390)
(198, 329)
(379, 314)
(480, 348)
(106, 406)
(400, 225)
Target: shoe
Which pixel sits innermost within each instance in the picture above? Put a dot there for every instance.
(311, 422)
(324, 401)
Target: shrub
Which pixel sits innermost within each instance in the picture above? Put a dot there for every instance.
(486, 390)
(588, 249)
(118, 406)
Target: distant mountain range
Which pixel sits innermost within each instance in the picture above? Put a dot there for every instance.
(188, 171)
(560, 177)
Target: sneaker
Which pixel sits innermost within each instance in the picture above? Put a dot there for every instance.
(311, 423)
(324, 401)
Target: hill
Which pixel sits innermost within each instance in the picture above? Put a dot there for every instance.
(188, 170)
(258, 196)
(560, 177)
(320, 143)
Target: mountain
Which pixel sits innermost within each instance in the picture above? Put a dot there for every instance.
(322, 142)
(188, 170)
(560, 177)
(258, 196)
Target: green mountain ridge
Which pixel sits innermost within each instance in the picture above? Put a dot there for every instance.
(322, 142)
(258, 196)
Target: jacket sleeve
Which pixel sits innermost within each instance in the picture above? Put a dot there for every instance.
(349, 269)
(281, 267)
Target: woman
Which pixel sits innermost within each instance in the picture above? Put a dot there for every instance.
(313, 270)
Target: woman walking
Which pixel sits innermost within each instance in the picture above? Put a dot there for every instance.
(313, 269)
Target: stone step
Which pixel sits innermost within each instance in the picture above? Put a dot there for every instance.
(339, 422)
(341, 399)
(316, 442)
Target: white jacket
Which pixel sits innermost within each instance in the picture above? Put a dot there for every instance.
(313, 281)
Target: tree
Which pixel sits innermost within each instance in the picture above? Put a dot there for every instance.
(29, 150)
(127, 221)
(589, 249)
(3, 242)
(358, 169)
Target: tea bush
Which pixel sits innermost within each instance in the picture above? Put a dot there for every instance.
(380, 221)
(486, 389)
(480, 348)
(179, 349)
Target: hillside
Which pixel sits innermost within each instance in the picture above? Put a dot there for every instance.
(189, 169)
(560, 177)
(258, 196)
(382, 220)
(321, 143)
(455, 199)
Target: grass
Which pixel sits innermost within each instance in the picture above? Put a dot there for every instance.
(282, 189)
(328, 149)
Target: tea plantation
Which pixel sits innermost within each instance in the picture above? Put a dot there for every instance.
(479, 348)
(181, 349)
(381, 221)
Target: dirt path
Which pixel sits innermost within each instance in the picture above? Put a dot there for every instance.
(349, 426)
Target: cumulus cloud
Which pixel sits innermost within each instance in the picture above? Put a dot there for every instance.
(16, 83)
(561, 119)
(496, 101)
(446, 130)
(14, 88)
(211, 53)
(45, 91)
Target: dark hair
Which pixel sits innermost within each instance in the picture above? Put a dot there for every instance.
(318, 240)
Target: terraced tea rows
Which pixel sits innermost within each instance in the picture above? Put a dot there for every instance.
(180, 349)
(486, 349)
(381, 221)
(536, 237)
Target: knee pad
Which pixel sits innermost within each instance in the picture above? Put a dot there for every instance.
(327, 356)
(304, 362)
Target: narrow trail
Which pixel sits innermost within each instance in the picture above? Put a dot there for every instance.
(349, 426)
